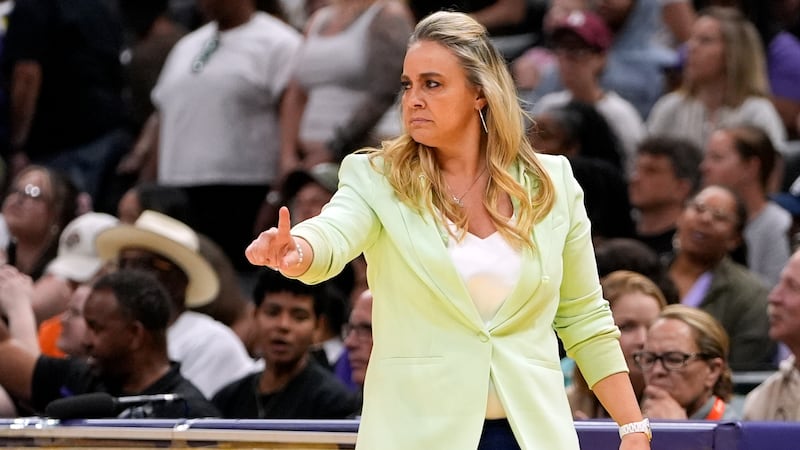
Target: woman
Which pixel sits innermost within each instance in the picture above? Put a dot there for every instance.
(449, 216)
(706, 277)
(725, 82)
(635, 303)
(743, 159)
(38, 205)
(685, 367)
(345, 81)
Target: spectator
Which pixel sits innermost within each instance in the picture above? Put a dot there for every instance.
(38, 205)
(145, 195)
(777, 397)
(578, 131)
(215, 132)
(685, 366)
(59, 295)
(724, 83)
(581, 42)
(635, 304)
(666, 173)
(211, 355)
(709, 227)
(742, 158)
(633, 255)
(358, 337)
(345, 81)
(126, 316)
(62, 62)
(292, 385)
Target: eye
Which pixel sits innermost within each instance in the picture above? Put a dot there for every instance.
(405, 85)
(432, 84)
(675, 358)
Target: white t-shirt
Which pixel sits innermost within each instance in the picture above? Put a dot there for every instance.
(220, 125)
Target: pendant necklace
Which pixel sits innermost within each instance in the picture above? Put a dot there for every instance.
(459, 200)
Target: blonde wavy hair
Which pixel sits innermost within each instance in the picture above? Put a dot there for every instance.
(745, 63)
(411, 167)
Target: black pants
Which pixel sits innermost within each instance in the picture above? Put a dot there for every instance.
(497, 435)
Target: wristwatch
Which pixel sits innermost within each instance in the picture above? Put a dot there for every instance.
(642, 426)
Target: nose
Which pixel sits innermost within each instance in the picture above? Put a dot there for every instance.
(638, 336)
(412, 98)
(350, 341)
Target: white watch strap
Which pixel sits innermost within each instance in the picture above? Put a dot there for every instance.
(643, 426)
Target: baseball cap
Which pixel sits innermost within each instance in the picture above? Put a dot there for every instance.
(77, 258)
(590, 27)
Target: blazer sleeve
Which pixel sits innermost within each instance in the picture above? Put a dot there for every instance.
(347, 225)
(583, 319)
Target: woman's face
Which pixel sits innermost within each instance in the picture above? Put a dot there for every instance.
(27, 207)
(707, 227)
(690, 385)
(705, 60)
(633, 313)
(722, 163)
(440, 106)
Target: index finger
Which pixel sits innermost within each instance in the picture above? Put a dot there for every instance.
(284, 224)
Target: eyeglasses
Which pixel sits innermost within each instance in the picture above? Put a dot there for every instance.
(670, 360)
(717, 215)
(361, 331)
(30, 191)
(209, 48)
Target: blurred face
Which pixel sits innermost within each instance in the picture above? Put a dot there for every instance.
(722, 163)
(109, 334)
(286, 325)
(129, 208)
(691, 384)
(550, 137)
(440, 106)
(359, 337)
(26, 208)
(579, 65)
(707, 227)
(784, 305)
(308, 201)
(633, 313)
(705, 60)
(73, 326)
(654, 184)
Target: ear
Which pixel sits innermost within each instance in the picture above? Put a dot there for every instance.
(752, 167)
(138, 334)
(715, 370)
(480, 100)
(683, 189)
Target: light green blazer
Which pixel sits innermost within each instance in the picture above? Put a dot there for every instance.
(428, 377)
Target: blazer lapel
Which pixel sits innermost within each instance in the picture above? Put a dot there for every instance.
(428, 242)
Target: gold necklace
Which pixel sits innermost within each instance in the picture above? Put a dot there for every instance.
(459, 200)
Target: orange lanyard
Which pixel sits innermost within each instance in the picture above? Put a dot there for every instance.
(717, 411)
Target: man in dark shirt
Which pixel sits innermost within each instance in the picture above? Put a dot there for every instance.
(126, 317)
(293, 385)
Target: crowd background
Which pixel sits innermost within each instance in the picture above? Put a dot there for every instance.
(680, 118)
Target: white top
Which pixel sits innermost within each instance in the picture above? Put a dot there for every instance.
(678, 115)
(220, 126)
(210, 353)
(490, 269)
(622, 117)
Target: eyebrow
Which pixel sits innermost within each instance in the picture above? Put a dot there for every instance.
(422, 75)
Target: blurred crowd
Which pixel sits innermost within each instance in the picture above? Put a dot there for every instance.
(145, 143)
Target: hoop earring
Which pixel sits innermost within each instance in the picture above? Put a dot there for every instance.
(483, 121)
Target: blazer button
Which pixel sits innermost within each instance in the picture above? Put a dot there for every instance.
(483, 336)
(545, 279)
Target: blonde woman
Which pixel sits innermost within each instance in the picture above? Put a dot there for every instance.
(724, 82)
(479, 251)
(635, 303)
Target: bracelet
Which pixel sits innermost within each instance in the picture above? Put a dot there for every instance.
(299, 253)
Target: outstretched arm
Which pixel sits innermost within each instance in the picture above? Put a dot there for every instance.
(616, 395)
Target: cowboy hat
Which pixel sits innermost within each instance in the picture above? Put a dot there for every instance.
(172, 239)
